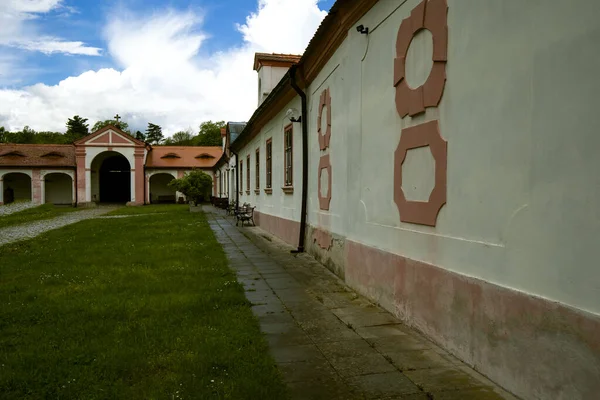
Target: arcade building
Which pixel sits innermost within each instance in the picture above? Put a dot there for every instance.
(107, 166)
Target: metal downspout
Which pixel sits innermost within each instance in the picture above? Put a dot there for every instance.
(237, 184)
(302, 95)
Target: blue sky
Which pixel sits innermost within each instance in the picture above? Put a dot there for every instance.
(176, 63)
(83, 20)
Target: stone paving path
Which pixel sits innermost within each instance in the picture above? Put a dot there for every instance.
(331, 343)
(33, 229)
(12, 208)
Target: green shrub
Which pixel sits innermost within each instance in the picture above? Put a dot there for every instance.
(196, 186)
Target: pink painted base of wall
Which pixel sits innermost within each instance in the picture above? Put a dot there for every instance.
(322, 238)
(285, 229)
(533, 347)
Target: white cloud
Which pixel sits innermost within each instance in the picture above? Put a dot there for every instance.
(53, 45)
(32, 6)
(164, 79)
(18, 29)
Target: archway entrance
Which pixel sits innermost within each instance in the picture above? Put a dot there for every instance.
(160, 192)
(17, 187)
(113, 173)
(58, 189)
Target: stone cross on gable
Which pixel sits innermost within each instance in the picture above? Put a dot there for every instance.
(117, 118)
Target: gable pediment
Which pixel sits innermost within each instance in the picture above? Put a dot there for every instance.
(109, 136)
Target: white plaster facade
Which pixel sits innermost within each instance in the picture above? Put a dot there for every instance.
(519, 114)
(268, 77)
(61, 190)
(97, 152)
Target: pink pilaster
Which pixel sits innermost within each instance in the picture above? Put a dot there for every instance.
(139, 176)
(80, 181)
(36, 186)
(214, 186)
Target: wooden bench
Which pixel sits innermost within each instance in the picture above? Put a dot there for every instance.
(245, 214)
(231, 208)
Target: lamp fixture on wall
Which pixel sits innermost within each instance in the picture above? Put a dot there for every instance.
(362, 29)
(293, 115)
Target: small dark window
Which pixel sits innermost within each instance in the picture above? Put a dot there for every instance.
(204, 156)
(288, 143)
(13, 154)
(257, 169)
(248, 173)
(269, 163)
(54, 154)
(170, 155)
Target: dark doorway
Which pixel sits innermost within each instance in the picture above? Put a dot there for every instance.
(115, 180)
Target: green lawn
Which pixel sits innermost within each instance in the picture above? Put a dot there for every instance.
(45, 211)
(129, 308)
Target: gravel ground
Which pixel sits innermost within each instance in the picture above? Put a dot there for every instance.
(33, 229)
(16, 207)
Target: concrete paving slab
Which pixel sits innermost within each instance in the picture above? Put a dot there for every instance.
(361, 364)
(416, 359)
(385, 385)
(396, 344)
(361, 317)
(303, 352)
(383, 331)
(469, 394)
(329, 342)
(442, 379)
(302, 371)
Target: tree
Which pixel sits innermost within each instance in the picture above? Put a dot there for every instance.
(76, 128)
(140, 136)
(196, 186)
(182, 138)
(210, 134)
(122, 125)
(51, 138)
(154, 133)
(27, 135)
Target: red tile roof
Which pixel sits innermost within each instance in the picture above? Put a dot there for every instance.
(274, 59)
(183, 156)
(37, 155)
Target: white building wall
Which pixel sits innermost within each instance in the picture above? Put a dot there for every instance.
(513, 172)
(278, 203)
(268, 78)
(519, 115)
(331, 77)
(58, 186)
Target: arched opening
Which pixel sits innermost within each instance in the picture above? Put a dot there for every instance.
(17, 187)
(111, 178)
(58, 189)
(160, 192)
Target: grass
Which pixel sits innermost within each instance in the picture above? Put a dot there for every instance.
(46, 211)
(151, 209)
(129, 308)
